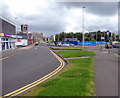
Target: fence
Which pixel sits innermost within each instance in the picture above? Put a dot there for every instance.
(81, 42)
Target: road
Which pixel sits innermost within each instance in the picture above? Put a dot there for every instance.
(26, 67)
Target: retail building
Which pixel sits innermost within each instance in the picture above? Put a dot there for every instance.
(7, 34)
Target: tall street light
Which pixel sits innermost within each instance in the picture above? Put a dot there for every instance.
(16, 30)
(83, 26)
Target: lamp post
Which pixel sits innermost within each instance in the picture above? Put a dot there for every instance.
(96, 38)
(16, 30)
(83, 26)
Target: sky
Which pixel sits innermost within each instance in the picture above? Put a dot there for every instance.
(53, 17)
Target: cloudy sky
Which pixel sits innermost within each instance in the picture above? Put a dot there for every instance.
(55, 17)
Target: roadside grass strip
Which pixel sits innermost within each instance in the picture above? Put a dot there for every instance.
(68, 54)
(75, 80)
(31, 85)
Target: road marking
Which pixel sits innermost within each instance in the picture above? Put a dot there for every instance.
(117, 55)
(4, 58)
(31, 85)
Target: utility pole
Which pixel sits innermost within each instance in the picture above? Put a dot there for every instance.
(83, 26)
(96, 38)
(16, 30)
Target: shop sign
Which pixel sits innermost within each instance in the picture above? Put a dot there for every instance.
(1, 34)
(7, 35)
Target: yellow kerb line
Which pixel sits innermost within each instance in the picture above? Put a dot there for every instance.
(39, 81)
(4, 58)
(117, 55)
(31, 83)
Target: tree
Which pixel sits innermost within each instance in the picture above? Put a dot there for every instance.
(93, 39)
(117, 37)
(113, 37)
(99, 35)
(57, 37)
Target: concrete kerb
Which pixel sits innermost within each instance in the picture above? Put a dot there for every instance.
(59, 56)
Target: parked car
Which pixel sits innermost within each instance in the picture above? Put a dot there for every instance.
(59, 43)
(108, 46)
(67, 45)
(115, 45)
(21, 42)
(36, 43)
(72, 45)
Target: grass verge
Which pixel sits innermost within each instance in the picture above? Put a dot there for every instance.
(75, 80)
(68, 54)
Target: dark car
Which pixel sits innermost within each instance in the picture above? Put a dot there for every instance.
(36, 43)
(108, 46)
(115, 46)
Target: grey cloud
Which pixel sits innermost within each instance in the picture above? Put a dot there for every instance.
(51, 20)
(97, 8)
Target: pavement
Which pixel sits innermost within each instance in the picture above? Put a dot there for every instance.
(26, 66)
(10, 52)
(106, 72)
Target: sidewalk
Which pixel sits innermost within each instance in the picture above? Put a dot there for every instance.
(106, 73)
(13, 51)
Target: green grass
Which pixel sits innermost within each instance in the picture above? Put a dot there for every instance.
(75, 80)
(68, 54)
(65, 48)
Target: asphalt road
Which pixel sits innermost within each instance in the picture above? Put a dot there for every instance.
(26, 67)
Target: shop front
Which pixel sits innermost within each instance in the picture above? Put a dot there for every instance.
(7, 41)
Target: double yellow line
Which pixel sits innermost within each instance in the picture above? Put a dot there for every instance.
(117, 55)
(31, 85)
(3, 58)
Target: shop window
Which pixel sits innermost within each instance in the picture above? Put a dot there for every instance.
(7, 45)
(3, 39)
(3, 45)
(10, 45)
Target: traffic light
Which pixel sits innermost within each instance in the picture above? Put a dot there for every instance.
(109, 34)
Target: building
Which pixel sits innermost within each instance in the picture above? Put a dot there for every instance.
(25, 35)
(105, 32)
(37, 36)
(7, 34)
(24, 28)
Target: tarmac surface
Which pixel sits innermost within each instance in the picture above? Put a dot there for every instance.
(106, 71)
(26, 66)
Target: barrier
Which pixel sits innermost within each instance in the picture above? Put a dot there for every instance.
(81, 42)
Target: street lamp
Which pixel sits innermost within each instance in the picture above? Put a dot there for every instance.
(16, 30)
(83, 26)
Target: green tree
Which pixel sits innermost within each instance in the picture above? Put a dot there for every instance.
(57, 37)
(113, 37)
(93, 39)
(117, 38)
